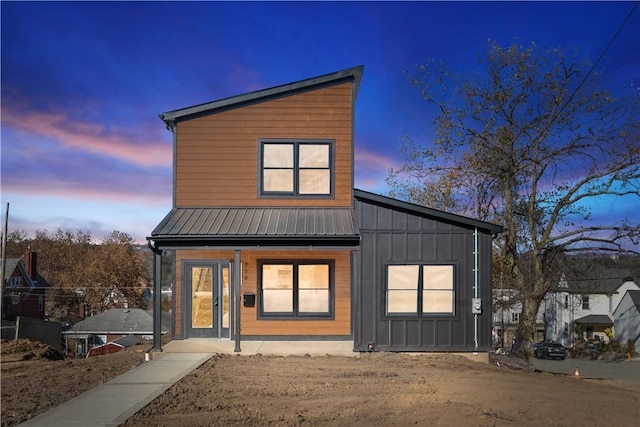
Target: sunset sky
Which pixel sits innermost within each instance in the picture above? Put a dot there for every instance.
(82, 84)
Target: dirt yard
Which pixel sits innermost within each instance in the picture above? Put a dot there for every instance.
(379, 389)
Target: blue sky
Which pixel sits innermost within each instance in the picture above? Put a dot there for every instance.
(82, 84)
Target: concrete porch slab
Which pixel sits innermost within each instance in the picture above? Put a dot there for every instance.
(273, 348)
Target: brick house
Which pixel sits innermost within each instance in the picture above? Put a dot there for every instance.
(272, 241)
(23, 291)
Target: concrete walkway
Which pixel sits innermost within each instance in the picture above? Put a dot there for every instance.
(111, 403)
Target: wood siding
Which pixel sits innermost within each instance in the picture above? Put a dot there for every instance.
(340, 325)
(217, 155)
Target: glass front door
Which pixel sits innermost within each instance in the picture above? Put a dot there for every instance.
(207, 303)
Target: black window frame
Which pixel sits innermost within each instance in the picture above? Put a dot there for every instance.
(420, 288)
(295, 314)
(295, 193)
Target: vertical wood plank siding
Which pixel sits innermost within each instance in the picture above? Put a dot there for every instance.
(250, 324)
(217, 155)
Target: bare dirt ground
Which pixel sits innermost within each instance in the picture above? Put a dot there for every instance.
(378, 389)
(35, 377)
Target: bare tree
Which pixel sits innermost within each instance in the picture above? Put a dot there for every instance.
(530, 143)
(85, 274)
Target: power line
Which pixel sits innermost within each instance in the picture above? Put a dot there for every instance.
(595, 64)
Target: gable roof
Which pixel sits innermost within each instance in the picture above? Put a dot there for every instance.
(17, 263)
(425, 211)
(252, 226)
(351, 74)
(585, 277)
(634, 294)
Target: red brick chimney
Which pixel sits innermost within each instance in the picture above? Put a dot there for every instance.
(31, 264)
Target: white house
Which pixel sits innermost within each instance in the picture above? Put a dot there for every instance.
(580, 307)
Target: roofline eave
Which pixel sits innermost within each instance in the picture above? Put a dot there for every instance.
(171, 117)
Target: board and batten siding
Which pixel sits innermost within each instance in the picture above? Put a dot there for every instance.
(250, 325)
(217, 154)
(391, 236)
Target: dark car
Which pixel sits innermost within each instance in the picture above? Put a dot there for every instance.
(550, 350)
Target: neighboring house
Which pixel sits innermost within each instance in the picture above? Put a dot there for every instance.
(506, 316)
(626, 317)
(24, 289)
(581, 307)
(272, 242)
(110, 326)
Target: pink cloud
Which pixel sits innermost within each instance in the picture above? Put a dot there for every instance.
(158, 194)
(91, 137)
(371, 162)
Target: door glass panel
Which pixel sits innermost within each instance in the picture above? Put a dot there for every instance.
(225, 297)
(202, 297)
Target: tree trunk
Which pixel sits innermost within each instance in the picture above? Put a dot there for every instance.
(526, 327)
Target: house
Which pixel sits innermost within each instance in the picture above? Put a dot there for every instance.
(626, 318)
(272, 242)
(113, 325)
(506, 316)
(24, 289)
(581, 306)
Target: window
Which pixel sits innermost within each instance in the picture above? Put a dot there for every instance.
(566, 301)
(419, 289)
(297, 168)
(515, 317)
(585, 302)
(295, 289)
(40, 303)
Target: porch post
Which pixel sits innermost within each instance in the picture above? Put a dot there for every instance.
(157, 300)
(237, 267)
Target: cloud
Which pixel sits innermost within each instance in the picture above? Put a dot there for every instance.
(94, 138)
(371, 169)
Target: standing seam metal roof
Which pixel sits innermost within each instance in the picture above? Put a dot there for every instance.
(257, 222)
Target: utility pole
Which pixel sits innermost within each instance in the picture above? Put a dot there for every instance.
(4, 244)
(4, 255)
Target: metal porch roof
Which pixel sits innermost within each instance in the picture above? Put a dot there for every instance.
(233, 224)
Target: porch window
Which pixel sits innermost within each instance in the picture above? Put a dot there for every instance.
(295, 289)
(296, 168)
(420, 289)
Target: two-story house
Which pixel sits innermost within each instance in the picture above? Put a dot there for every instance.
(23, 292)
(272, 241)
(581, 307)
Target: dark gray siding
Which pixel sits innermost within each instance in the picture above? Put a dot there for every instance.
(390, 234)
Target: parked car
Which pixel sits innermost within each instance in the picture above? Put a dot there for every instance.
(535, 346)
(550, 350)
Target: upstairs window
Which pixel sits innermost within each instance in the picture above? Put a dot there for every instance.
(296, 168)
(585, 302)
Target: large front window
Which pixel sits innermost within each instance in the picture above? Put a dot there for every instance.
(297, 168)
(295, 289)
(420, 289)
